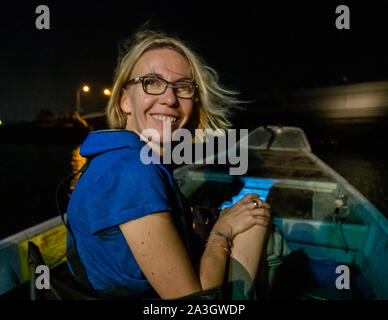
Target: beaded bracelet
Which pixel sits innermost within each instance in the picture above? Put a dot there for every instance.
(219, 245)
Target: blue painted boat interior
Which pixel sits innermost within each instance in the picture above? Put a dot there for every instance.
(364, 230)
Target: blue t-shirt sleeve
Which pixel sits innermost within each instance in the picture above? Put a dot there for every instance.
(127, 191)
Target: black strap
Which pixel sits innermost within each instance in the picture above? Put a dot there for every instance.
(71, 252)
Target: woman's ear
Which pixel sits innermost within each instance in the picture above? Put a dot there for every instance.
(124, 102)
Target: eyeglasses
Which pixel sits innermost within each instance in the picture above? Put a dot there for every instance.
(158, 86)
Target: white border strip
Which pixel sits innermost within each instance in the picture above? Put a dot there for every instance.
(32, 231)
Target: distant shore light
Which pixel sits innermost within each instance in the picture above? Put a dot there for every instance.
(85, 88)
(107, 92)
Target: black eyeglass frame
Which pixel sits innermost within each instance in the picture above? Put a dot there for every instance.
(168, 83)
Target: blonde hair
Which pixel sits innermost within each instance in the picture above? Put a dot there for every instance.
(213, 104)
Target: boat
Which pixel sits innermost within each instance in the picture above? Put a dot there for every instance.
(320, 215)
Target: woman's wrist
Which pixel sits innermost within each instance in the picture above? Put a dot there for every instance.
(221, 235)
(224, 229)
(219, 243)
(218, 239)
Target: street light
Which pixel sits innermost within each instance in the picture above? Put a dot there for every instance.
(85, 89)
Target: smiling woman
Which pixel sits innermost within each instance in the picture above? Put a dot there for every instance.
(132, 226)
(213, 104)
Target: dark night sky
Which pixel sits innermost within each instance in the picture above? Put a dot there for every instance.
(256, 48)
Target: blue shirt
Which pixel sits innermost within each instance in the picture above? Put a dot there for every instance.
(116, 188)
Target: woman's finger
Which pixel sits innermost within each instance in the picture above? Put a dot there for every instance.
(249, 197)
(254, 200)
(262, 221)
(261, 212)
(257, 203)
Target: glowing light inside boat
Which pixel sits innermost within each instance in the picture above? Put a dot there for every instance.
(252, 185)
